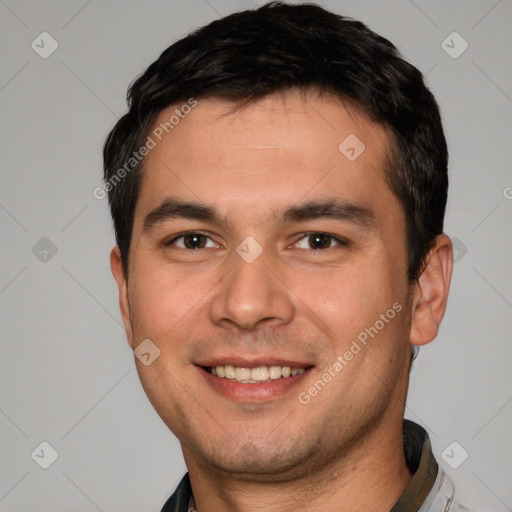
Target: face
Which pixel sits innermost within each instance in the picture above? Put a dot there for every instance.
(260, 248)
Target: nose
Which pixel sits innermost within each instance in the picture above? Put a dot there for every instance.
(252, 295)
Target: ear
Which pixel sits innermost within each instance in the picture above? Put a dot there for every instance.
(431, 292)
(117, 269)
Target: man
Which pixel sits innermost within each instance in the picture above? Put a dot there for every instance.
(278, 190)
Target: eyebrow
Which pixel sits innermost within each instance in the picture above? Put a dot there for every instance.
(174, 209)
(336, 209)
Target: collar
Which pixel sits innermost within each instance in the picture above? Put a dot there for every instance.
(418, 455)
(421, 463)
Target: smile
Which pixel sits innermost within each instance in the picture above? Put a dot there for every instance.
(257, 375)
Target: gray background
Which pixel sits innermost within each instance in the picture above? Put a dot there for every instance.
(67, 373)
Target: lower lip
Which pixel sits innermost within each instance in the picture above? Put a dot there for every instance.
(243, 392)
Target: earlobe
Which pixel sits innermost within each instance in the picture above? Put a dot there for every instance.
(431, 292)
(116, 265)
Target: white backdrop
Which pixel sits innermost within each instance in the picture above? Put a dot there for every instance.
(67, 374)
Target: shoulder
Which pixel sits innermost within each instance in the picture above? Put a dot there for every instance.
(179, 500)
(443, 497)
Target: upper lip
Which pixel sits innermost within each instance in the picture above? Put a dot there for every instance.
(253, 362)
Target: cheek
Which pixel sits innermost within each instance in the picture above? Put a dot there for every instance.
(347, 299)
(162, 299)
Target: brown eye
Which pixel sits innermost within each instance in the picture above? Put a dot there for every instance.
(319, 241)
(192, 241)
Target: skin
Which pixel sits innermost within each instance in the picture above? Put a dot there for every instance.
(343, 450)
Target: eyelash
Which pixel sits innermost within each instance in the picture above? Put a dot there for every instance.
(183, 235)
(339, 241)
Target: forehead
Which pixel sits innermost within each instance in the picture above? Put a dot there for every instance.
(281, 148)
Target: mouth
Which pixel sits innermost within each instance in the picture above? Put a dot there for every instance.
(252, 382)
(256, 375)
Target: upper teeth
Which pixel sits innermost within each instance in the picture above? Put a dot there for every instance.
(253, 375)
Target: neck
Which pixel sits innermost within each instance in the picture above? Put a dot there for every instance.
(371, 478)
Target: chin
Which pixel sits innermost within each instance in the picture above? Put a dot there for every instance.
(259, 459)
